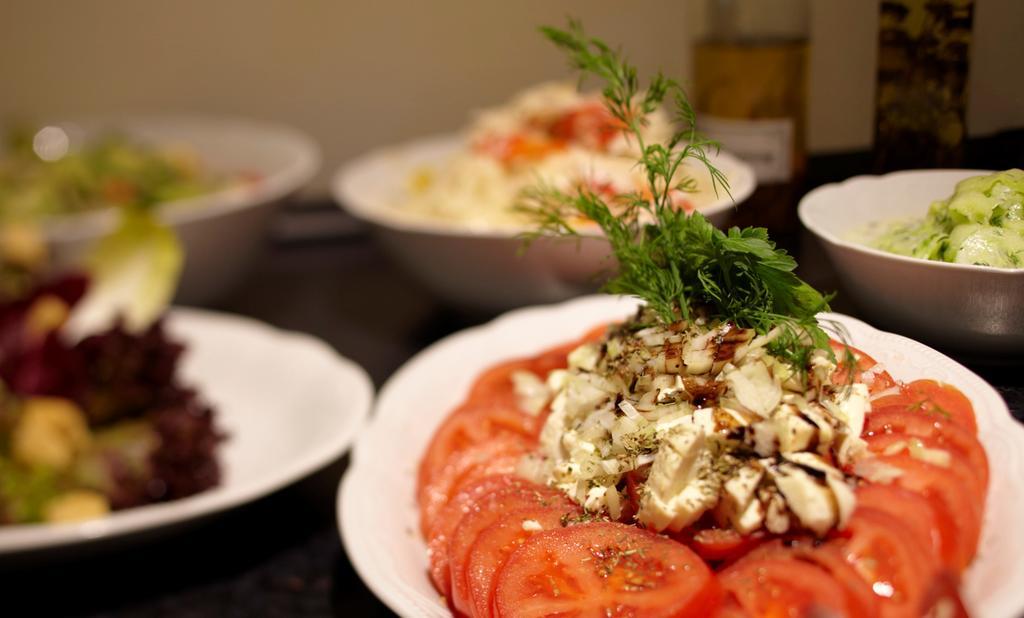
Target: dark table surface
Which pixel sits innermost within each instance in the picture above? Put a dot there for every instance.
(282, 555)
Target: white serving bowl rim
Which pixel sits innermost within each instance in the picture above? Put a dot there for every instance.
(811, 220)
(303, 163)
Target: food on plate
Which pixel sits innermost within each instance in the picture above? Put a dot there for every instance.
(549, 134)
(982, 223)
(43, 174)
(719, 453)
(94, 416)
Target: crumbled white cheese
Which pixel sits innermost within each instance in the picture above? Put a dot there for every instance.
(532, 525)
(657, 401)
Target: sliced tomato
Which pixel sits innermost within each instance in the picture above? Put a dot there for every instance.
(604, 569)
(864, 369)
(496, 543)
(448, 518)
(489, 509)
(517, 147)
(857, 597)
(468, 426)
(890, 443)
(939, 431)
(590, 124)
(783, 587)
(495, 386)
(931, 397)
(720, 544)
(946, 492)
(498, 456)
(934, 526)
(943, 598)
(887, 555)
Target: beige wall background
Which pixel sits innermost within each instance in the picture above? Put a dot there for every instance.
(361, 74)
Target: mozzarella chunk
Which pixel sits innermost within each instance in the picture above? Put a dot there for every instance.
(681, 486)
(794, 433)
(811, 502)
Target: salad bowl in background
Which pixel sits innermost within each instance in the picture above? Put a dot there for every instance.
(478, 267)
(962, 307)
(222, 231)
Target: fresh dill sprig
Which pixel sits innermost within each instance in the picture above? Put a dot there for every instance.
(674, 261)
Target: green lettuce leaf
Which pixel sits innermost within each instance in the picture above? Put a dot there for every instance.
(134, 273)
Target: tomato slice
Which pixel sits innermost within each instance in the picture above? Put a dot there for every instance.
(940, 431)
(604, 569)
(856, 598)
(865, 371)
(517, 147)
(943, 598)
(720, 544)
(495, 386)
(945, 491)
(489, 509)
(496, 543)
(887, 555)
(783, 587)
(933, 525)
(498, 456)
(448, 518)
(929, 396)
(469, 426)
(893, 443)
(590, 124)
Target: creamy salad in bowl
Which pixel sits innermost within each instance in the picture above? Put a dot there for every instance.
(981, 223)
(549, 135)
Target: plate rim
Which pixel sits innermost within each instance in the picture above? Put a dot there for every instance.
(25, 538)
(348, 500)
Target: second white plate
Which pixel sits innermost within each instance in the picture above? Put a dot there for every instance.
(288, 403)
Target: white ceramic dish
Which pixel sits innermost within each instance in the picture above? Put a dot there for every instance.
(377, 514)
(483, 268)
(975, 309)
(222, 231)
(287, 401)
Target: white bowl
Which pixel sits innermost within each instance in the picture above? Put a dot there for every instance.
(973, 309)
(222, 231)
(477, 268)
(288, 403)
(377, 512)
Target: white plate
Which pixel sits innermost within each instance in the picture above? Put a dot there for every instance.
(287, 401)
(376, 504)
(484, 268)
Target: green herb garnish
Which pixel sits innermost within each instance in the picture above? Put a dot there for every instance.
(676, 262)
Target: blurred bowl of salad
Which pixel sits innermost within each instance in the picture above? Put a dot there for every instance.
(937, 255)
(215, 181)
(447, 207)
